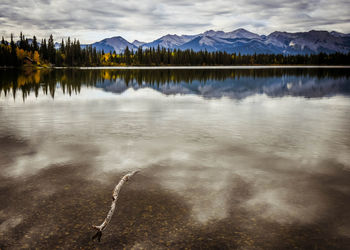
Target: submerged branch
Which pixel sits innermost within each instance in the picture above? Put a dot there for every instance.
(116, 191)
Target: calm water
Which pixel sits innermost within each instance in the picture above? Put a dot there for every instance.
(229, 158)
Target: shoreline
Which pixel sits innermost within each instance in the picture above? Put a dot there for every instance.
(209, 67)
(189, 67)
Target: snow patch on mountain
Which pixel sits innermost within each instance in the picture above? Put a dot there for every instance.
(138, 43)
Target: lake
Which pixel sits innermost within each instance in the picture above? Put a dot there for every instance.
(229, 158)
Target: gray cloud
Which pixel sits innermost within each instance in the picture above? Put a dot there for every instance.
(148, 19)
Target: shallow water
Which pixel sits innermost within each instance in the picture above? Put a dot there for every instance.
(229, 158)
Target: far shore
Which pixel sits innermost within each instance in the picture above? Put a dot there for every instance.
(210, 67)
(182, 67)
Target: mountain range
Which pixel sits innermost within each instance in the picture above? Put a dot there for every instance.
(240, 41)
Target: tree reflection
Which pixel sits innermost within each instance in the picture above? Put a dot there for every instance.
(70, 81)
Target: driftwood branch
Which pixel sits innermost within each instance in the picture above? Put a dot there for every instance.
(116, 191)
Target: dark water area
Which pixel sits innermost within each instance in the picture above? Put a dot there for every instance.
(228, 158)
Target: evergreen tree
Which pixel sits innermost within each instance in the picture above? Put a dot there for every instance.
(43, 50)
(35, 44)
(127, 55)
(51, 52)
(62, 49)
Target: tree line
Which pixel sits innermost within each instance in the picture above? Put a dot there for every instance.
(71, 53)
(29, 51)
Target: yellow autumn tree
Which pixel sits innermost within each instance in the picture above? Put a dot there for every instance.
(106, 57)
(36, 57)
(20, 54)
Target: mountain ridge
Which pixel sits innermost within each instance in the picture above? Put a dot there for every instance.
(241, 41)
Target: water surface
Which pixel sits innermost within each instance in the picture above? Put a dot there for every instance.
(229, 158)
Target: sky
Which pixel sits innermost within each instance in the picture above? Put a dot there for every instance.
(147, 20)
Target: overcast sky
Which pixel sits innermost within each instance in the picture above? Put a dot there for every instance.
(147, 20)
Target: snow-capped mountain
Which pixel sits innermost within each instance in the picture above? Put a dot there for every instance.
(230, 45)
(57, 45)
(168, 41)
(245, 42)
(239, 33)
(309, 42)
(338, 34)
(137, 43)
(241, 41)
(117, 44)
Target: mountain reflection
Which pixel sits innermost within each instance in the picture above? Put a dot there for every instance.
(208, 83)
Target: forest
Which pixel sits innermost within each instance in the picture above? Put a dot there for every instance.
(29, 52)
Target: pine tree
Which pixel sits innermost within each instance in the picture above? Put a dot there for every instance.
(62, 49)
(43, 50)
(35, 44)
(51, 50)
(127, 55)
